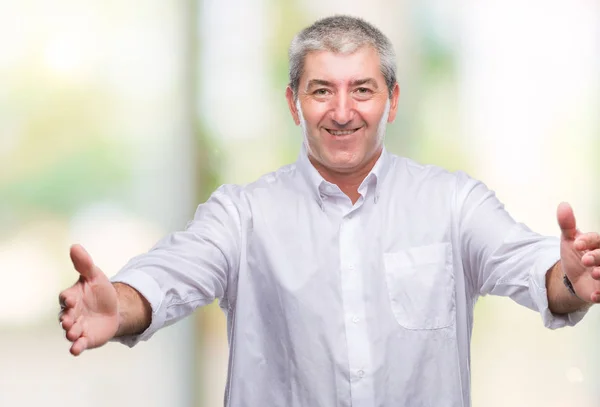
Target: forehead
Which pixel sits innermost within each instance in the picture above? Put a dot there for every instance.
(339, 68)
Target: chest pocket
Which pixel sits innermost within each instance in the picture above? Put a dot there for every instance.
(420, 283)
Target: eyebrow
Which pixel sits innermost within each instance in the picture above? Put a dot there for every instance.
(320, 82)
(366, 81)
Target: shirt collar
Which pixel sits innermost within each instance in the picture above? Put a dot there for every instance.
(318, 185)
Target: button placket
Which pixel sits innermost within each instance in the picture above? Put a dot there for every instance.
(359, 352)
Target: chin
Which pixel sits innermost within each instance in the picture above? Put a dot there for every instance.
(339, 163)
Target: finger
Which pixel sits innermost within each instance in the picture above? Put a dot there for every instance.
(62, 298)
(591, 259)
(67, 298)
(82, 261)
(68, 318)
(596, 297)
(79, 346)
(588, 241)
(566, 220)
(66, 322)
(76, 331)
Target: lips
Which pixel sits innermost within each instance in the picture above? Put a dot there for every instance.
(342, 132)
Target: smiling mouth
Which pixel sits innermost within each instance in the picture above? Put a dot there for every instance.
(342, 132)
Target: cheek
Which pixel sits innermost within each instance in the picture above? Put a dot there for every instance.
(372, 115)
(314, 113)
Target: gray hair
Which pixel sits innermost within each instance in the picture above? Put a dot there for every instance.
(345, 35)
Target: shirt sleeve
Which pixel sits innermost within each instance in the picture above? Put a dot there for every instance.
(503, 257)
(187, 269)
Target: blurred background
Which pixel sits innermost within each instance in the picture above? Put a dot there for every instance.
(118, 118)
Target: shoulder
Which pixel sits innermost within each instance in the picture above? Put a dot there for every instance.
(281, 179)
(272, 184)
(428, 181)
(409, 171)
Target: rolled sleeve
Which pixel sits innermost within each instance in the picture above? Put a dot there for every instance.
(190, 268)
(503, 257)
(150, 290)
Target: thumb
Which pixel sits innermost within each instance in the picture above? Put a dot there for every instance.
(566, 221)
(82, 261)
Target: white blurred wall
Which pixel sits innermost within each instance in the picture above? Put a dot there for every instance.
(136, 56)
(530, 80)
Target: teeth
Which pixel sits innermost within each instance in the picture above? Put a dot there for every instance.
(341, 132)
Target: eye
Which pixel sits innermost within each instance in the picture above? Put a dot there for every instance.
(363, 91)
(321, 92)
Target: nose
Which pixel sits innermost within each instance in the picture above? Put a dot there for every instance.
(343, 109)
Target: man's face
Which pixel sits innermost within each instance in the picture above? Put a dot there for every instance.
(343, 106)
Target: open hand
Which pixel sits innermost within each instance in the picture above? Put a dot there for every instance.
(580, 256)
(89, 308)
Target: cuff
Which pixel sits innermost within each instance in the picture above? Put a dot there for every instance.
(150, 290)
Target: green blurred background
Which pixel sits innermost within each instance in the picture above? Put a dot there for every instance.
(118, 118)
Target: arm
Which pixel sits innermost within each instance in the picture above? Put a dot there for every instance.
(183, 271)
(503, 257)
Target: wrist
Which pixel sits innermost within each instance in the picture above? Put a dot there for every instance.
(119, 288)
(570, 287)
(134, 312)
(567, 282)
(561, 300)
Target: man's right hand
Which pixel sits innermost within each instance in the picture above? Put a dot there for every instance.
(90, 308)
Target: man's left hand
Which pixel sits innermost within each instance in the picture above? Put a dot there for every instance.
(580, 256)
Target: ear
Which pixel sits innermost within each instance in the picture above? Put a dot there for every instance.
(394, 103)
(289, 95)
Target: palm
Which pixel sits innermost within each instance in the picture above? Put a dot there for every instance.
(580, 256)
(99, 309)
(90, 307)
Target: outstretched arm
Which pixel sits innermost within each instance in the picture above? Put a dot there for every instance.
(183, 271)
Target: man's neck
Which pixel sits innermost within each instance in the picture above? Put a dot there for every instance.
(347, 182)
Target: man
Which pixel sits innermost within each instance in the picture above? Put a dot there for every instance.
(348, 278)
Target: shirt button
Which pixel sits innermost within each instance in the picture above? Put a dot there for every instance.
(355, 320)
(350, 216)
(351, 267)
(361, 373)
